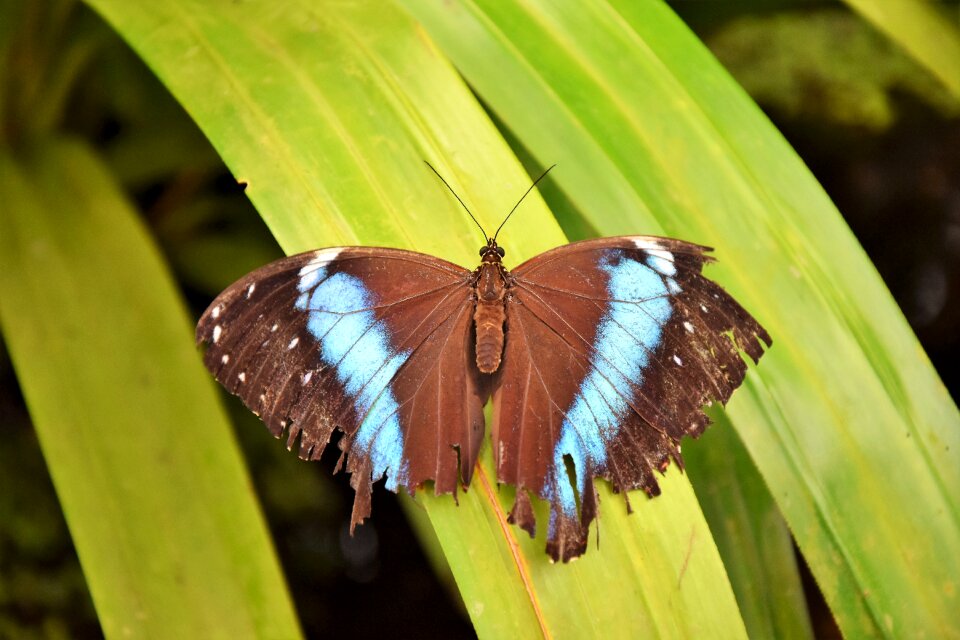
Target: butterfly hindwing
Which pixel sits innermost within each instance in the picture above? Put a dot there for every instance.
(375, 343)
(613, 347)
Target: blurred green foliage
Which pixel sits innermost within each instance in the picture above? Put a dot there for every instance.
(825, 65)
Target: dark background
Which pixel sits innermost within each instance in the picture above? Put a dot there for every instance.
(879, 134)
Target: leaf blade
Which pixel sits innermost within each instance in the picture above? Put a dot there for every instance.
(89, 310)
(403, 103)
(922, 31)
(705, 165)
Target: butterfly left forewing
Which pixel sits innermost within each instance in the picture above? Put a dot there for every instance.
(630, 341)
(351, 339)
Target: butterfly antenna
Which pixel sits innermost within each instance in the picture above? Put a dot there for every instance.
(521, 200)
(465, 207)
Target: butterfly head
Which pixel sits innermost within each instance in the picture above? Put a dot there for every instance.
(491, 252)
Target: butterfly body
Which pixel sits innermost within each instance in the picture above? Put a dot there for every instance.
(490, 314)
(598, 356)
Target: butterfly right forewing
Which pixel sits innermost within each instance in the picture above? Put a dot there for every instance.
(613, 346)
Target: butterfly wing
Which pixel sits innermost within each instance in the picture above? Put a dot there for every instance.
(375, 343)
(613, 347)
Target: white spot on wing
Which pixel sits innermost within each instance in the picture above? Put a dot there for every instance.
(647, 244)
(215, 312)
(293, 343)
(688, 326)
(217, 330)
(677, 359)
(250, 290)
(704, 308)
(321, 258)
(242, 376)
(661, 253)
(307, 376)
(274, 327)
(662, 261)
(225, 359)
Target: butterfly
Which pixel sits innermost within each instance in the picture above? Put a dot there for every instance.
(599, 357)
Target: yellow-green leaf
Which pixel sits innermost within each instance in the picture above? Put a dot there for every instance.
(845, 418)
(150, 479)
(327, 113)
(923, 29)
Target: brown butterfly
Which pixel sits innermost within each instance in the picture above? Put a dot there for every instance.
(599, 356)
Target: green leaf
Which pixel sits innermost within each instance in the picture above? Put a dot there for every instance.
(327, 115)
(845, 418)
(749, 530)
(751, 534)
(146, 468)
(922, 29)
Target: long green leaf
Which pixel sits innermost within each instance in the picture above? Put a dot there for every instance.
(327, 115)
(753, 538)
(152, 484)
(847, 421)
(750, 532)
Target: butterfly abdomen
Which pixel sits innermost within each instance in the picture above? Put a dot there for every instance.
(489, 321)
(489, 316)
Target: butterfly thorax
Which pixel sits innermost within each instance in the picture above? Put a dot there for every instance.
(490, 313)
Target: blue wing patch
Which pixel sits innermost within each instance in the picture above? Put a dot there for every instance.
(357, 346)
(629, 332)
